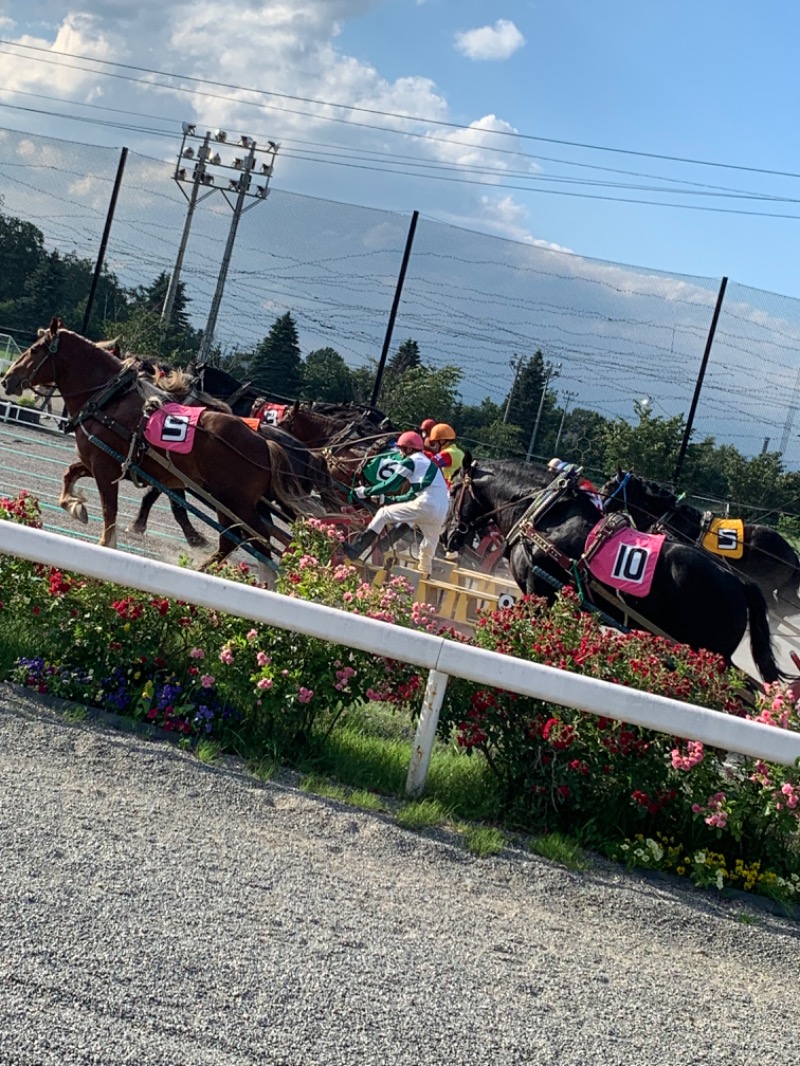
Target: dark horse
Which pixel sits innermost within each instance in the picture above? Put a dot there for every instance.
(767, 557)
(692, 599)
(243, 396)
(236, 467)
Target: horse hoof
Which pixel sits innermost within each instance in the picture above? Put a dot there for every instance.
(196, 540)
(135, 530)
(78, 511)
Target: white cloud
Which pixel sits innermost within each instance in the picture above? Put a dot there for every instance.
(490, 42)
(78, 34)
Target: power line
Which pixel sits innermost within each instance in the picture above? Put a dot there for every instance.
(368, 110)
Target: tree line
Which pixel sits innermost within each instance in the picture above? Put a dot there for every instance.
(37, 282)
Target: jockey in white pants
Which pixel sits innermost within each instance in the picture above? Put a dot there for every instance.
(422, 500)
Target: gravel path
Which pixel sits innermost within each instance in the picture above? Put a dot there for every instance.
(155, 910)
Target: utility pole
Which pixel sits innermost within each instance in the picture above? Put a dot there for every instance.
(516, 366)
(197, 179)
(550, 371)
(238, 208)
(207, 170)
(387, 339)
(568, 398)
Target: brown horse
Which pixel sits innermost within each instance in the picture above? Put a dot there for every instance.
(345, 445)
(236, 467)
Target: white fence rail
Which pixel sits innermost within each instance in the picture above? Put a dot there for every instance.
(442, 658)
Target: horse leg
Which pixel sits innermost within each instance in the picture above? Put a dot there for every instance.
(139, 526)
(193, 537)
(74, 503)
(109, 500)
(226, 545)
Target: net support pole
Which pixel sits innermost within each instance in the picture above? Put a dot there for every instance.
(387, 340)
(101, 255)
(699, 384)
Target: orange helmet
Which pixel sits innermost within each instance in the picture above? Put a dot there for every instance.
(442, 432)
(410, 440)
(427, 425)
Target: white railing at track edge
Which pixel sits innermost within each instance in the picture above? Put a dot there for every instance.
(441, 657)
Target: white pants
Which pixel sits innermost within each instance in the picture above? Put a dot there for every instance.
(426, 513)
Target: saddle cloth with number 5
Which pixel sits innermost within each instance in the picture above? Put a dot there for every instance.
(172, 427)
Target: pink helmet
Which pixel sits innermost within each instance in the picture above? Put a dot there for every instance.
(427, 425)
(410, 440)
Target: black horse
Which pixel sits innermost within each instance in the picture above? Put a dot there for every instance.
(692, 599)
(242, 397)
(767, 557)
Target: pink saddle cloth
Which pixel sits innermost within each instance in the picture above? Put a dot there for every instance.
(271, 413)
(627, 560)
(172, 427)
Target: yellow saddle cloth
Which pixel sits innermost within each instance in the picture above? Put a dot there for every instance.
(725, 537)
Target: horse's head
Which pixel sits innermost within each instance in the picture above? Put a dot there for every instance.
(615, 491)
(646, 501)
(469, 511)
(36, 365)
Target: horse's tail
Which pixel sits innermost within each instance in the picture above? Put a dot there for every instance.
(331, 492)
(760, 636)
(287, 491)
(789, 592)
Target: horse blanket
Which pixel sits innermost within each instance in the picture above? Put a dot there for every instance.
(625, 560)
(725, 537)
(172, 427)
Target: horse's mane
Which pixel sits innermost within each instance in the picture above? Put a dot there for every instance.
(654, 490)
(516, 476)
(350, 411)
(171, 386)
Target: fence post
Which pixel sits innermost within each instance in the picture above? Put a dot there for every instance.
(699, 384)
(426, 733)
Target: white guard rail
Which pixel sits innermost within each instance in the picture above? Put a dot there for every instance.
(441, 657)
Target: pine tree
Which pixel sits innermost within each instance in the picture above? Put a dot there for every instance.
(277, 366)
(405, 358)
(327, 377)
(532, 390)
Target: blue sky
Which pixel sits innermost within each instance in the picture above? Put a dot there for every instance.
(710, 82)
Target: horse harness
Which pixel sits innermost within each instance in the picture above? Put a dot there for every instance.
(138, 449)
(524, 532)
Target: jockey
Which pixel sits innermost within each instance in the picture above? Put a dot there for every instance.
(442, 441)
(422, 501)
(560, 466)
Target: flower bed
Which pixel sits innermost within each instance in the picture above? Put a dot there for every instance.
(645, 798)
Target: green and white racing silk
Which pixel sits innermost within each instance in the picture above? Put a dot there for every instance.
(392, 471)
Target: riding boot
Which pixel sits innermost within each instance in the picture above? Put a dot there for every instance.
(360, 545)
(393, 536)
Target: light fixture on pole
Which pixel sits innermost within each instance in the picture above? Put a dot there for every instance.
(550, 371)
